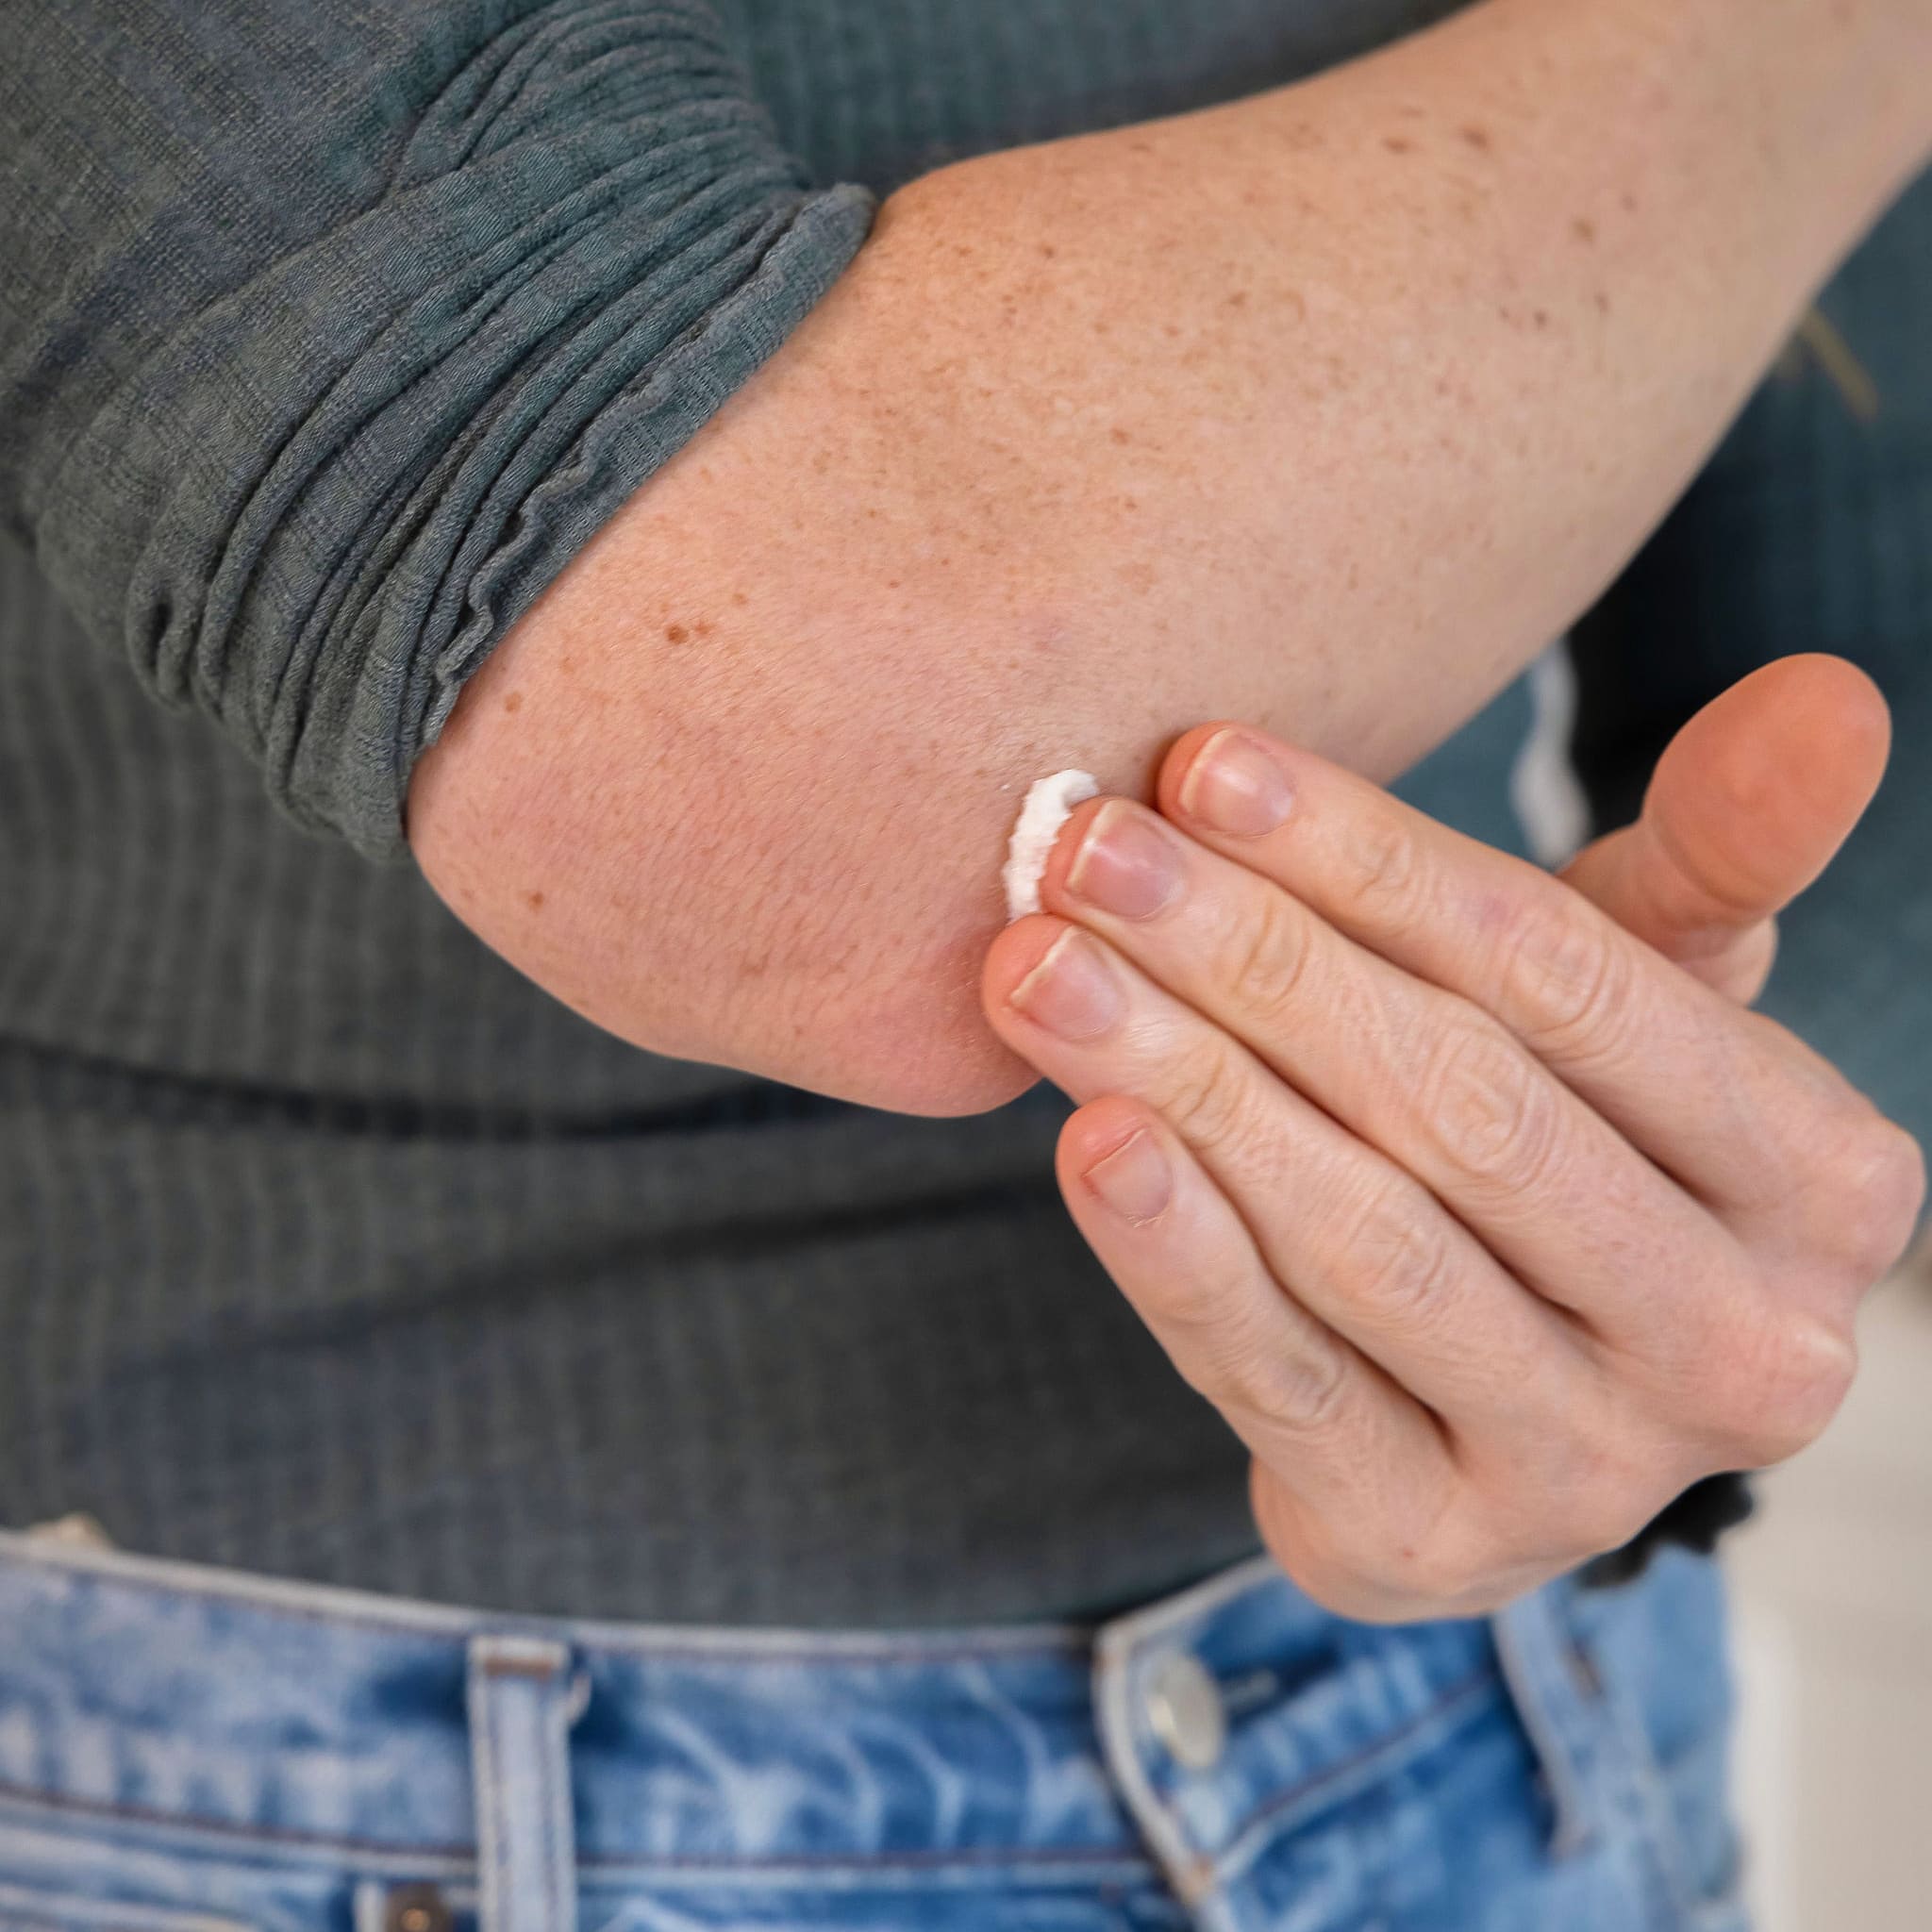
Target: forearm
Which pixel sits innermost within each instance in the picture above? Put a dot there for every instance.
(1324, 409)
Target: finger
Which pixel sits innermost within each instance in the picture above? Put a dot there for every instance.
(1713, 1096)
(1422, 1075)
(1343, 1434)
(1745, 808)
(1359, 1243)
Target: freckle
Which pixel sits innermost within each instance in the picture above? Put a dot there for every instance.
(514, 701)
(1628, 201)
(1398, 144)
(1238, 299)
(534, 901)
(566, 664)
(1603, 303)
(1583, 228)
(1118, 434)
(1170, 329)
(738, 597)
(703, 627)
(1130, 503)
(1477, 138)
(1100, 328)
(1048, 251)
(675, 633)
(1542, 318)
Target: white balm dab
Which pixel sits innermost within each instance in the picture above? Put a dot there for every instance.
(1048, 804)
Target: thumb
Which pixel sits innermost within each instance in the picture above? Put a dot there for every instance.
(1745, 808)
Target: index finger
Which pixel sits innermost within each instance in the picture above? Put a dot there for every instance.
(1700, 1086)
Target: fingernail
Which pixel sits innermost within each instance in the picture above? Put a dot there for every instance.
(1236, 787)
(1124, 865)
(1072, 992)
(1134, 1181)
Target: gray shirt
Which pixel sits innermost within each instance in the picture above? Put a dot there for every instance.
(329, 1245)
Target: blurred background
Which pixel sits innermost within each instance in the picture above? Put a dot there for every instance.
(1832, 1604)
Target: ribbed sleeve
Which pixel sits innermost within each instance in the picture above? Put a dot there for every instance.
(329, 332)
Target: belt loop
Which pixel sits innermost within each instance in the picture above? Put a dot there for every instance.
(1543, 1672)
(522, 1700)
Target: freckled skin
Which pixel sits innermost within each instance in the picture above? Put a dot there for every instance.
(1362, 506)
(514, 701)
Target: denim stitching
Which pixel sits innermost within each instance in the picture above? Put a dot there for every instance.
(924, 1858)
(1463, 1690)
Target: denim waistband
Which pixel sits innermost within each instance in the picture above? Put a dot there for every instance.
(511, 1752)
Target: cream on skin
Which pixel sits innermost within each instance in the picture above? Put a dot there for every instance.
(1049, 804)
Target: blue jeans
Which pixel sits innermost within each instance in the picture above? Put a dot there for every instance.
(187, 1750)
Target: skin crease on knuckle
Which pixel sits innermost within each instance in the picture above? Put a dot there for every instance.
(1263, 959)
(1297, 1386)
(1403, 1268)
(1385, 886)
(1214, 1096)
(1494, 1115)
(1567, 975)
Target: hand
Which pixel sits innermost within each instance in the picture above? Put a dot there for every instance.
(1487, 1228)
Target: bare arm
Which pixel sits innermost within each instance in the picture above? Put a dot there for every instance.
(1324, 409)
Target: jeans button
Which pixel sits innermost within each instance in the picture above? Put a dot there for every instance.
(416, 1908)
(1184, 1708)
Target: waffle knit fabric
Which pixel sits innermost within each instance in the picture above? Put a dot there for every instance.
(329, 1245)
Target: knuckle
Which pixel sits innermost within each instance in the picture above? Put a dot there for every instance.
(1568, 973)
(1408, 1263)
(1493, 1114)
(1862, 1186)
(1209, 1094)
(1383, 882)
(1890, 1187)
(1302, 1389)
(1266, 956)
(1783, 1384)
